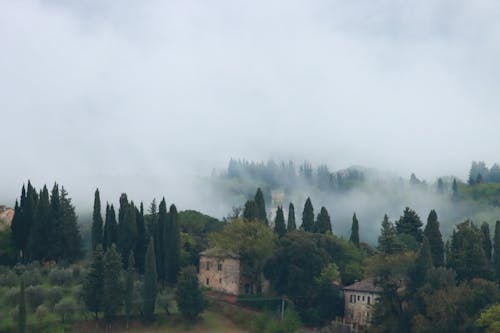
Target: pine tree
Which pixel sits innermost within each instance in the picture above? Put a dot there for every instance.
(41, 228)
(308, 216)
(496, 250)
(291, 218)
(93, 286)
(279, 222)
(188, 295)
(250, 211)
(435, 239)
(129, 287)
(485, 229)
(323, 223)
(151, 220)
(140, 248)
(97, 224)
(113, 283)
(454, 188)
(127, 229)
(388, 241)
(110, 228)
(150, 284)
(22, 308)
(410, 224)
(68, 231)
(173, 246)
(261, 206)
(423, 264)
(354, 231)
(160, 245)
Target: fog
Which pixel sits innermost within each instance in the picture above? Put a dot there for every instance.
(147, 97)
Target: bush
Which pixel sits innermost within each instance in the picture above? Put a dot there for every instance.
(61, 276)
(32, 278)
(11, 296)
(65, 308)
(35, 296)
(165, 300)
(41, 312)
(55, 294)
(9, 279)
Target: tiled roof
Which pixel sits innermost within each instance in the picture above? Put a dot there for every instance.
(367, 285)
(219, 253)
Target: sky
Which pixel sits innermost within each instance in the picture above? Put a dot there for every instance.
(147, 97)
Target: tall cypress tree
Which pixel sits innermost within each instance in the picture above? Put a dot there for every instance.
(113, 283)
(151, 220)
(55, 239)
(354, 231)
(323, 223)
(423, 263)
(97, 224)
(29, 211)
(435, 239)
(41, 228)
(485, 230)
(291, 218)
(129, 287)
(141, 245)
(159, 243)
(110, 228)
(496, 250)
(69, 233)
(410, 224)
(308, 216)
(150, 283)
(16, 227)
(250, 211)
(454, 188)
(93, 286)
(261, 206)
(279, 222)
(127, 231)
(173, 246)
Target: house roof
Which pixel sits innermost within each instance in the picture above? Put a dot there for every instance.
(219, 253)
(367, 285)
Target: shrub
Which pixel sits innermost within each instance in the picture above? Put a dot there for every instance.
(165, 300)
(35, 295)
(41, 312)
(32, 278)
(55, 294)
(61, 276)
(9, 279)
(11, 296)
(65, 308)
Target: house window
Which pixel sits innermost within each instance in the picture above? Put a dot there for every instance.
(359, 297)
(363, 299)
(208, 266)
(369, 300)
(219, 267)
(353, 298)
(220, 281)
(208, 281)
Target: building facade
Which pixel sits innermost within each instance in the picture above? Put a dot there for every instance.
(359, 299)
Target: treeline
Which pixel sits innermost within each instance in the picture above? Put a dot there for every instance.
(480, 173)
(44, 227)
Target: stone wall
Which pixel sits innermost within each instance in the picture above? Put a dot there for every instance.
(220, 274)
(359, 306)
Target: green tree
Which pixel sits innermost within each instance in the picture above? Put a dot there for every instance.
(127, 228)
(160, 241)
(173, 246)
(69, 234)
(190, 299)
(308, 216)
(496, 250)
(423, 264)
(110, 228)
(410, 224)
(323, 223)
(93, 286)
(250, 211)
(142, 243)
(279, 222)
(485, 230)
(22, 308)
(41, 228)
(129, 287)
(17, 228)
(388, 241)
(490, 319)
(113, 283)
(291, 218)
(435, 238)
(261, 206)
(454, 188)
(354, 231)
(97, 223)
(150, 283)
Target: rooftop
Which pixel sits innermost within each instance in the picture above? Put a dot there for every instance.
(219, 253)
(367, 285)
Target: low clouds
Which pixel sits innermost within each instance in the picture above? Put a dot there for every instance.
(146, 96)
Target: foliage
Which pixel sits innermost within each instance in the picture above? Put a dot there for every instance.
(189, 298)
(291, 225)
(279, 222)
(435, 239)
(308, 216)
(323, 223)
(409, 223)
(113, 283)
(490, 319)
(172, 246)
(65, 308)
(22, 309)
(354, 238)
(150, 285)
(97, 223)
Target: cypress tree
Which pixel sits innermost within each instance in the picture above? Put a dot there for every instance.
(435, 239)
(261, 206)
(250, 211)
(68, 231)
(454, 188)
(160, 248)
(354, 231)
(485, 230)
(97, 224)
(127, 231)
(291, 218)
(113, 283)
(279, 222)
(29, 211)
(423, 264)
(308, 216)
(410, 224)
(150, 285)
(323, 223)
(140, 249)
(41, 228)
(173, 246)
(496, 250)
(16, 228)
(129, 287)
(110, 228)
(151, 220)
(93, 286)
(22, 308)
(55, 239)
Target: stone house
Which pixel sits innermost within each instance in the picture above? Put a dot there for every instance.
(220, 270)
(6, 216)
(359, 299)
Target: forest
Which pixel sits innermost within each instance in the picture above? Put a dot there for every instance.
(134, 267)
